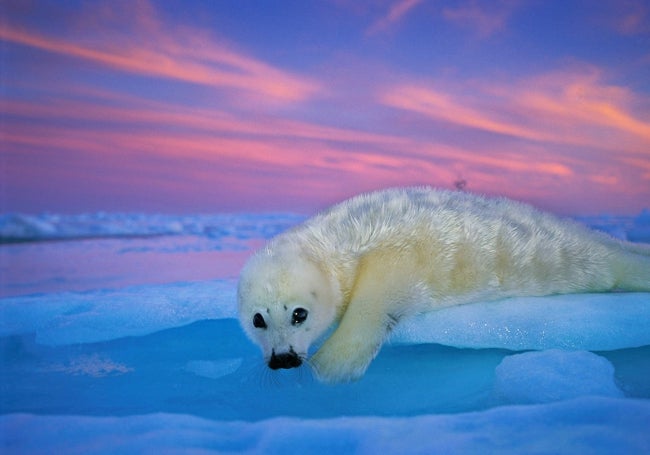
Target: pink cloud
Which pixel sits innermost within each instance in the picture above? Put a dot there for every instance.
(436, 104)
(483, 18)
(136, 146)
(627, 17)
(396, 13)
(184, 55)
(109, 109)
(203, 155)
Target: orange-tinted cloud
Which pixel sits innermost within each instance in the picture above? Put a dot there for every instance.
(574, 108)
(584, 104)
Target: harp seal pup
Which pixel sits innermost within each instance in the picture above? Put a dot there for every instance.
(365, 263)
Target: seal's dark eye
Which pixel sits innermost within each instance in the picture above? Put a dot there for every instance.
(299, 315)
(258, 321)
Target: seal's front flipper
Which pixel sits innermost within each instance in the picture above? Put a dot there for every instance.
(345, 356)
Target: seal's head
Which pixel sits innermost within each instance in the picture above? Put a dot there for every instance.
(286, 302)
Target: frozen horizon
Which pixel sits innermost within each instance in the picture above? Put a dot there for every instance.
(22, 227)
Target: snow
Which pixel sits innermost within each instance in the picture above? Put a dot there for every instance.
(587, 425)
(554, 375)
(123, 339)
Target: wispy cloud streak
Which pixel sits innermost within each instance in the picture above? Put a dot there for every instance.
(181, 58)
(566, 108)
(395, 14)
(482, 18)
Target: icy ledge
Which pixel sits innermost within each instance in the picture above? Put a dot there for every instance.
(584, 425)
(592, 322)
(102, 315)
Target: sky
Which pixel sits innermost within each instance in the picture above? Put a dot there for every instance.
(236, 106)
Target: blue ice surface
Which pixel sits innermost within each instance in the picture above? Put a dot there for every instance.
(103, 362)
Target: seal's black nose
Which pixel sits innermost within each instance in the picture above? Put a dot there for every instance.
(287, 360)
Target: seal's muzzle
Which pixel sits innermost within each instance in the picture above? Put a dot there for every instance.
(287, 360)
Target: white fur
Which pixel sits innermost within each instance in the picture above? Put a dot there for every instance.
(372, 259)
